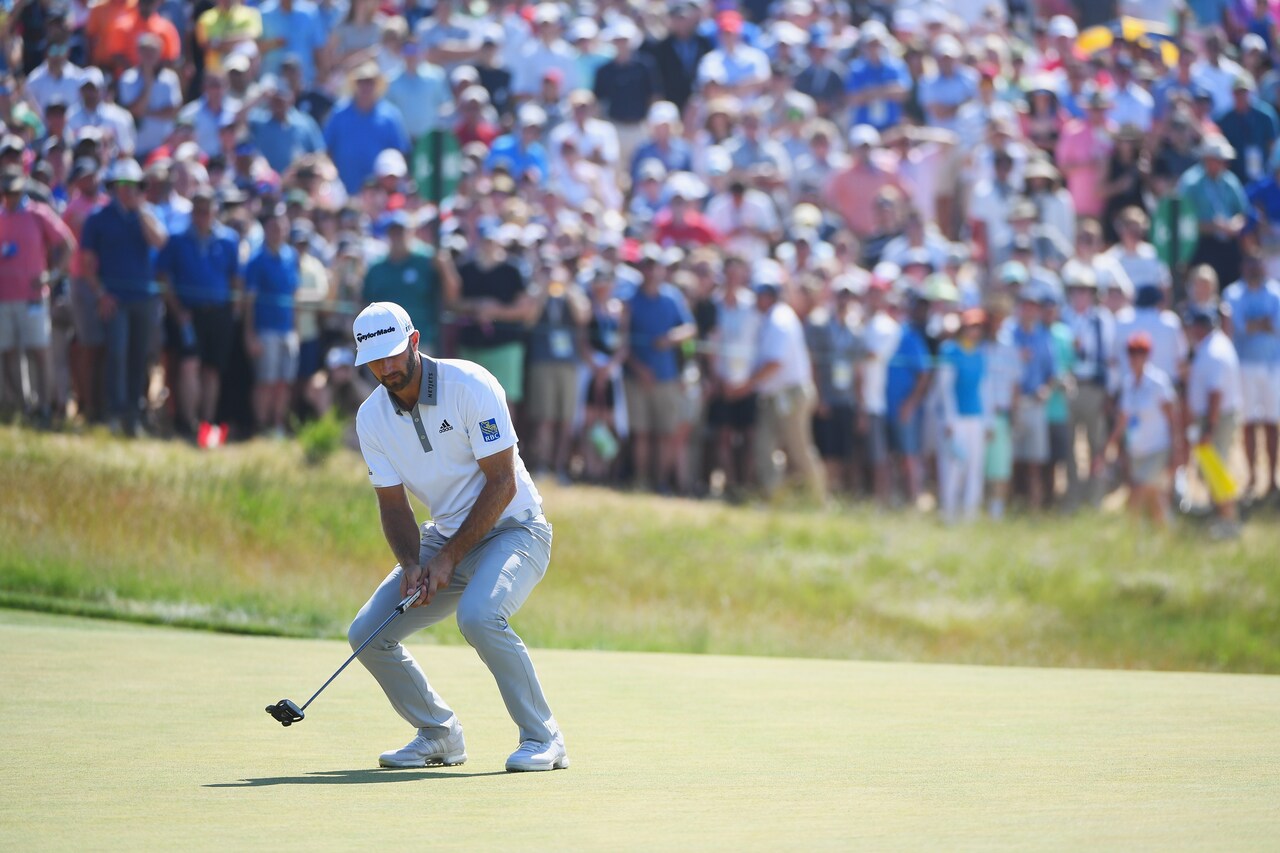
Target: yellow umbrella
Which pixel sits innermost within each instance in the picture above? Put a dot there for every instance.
(1143, 33)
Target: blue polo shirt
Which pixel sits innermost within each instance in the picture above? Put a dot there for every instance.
(124, 257)
(911, 359)
(652, 316)
(1252, 133)
(355, 139)
(879, 114)
(970, 368)
(518, 158)
(201, 269)
(1035, 348)
(303, 31)
(282, 142)
(1248, 305)
(273, 280)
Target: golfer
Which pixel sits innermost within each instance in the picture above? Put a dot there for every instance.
(440, 429)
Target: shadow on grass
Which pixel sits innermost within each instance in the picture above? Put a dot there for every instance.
(353, 777)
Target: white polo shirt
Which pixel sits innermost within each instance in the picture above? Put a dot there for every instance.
(782, 341)
(1142, 402)
(432, 450)
(1214, 368)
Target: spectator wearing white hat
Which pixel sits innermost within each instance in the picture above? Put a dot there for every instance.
(597, 140)
(944, 91)
(664, 142)
(116, 246)
(152, 94)
(96, 111)
(626, 86)
(521, 152)
(878, 82)
(547, 51)
(1217, 199)
(869, 171)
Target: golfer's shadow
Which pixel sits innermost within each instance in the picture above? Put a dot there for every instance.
(353, 777)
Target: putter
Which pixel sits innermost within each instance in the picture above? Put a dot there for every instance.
(286, 711)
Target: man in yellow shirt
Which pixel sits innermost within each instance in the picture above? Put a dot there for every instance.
(221, 29)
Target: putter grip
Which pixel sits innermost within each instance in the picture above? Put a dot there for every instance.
(408, 600)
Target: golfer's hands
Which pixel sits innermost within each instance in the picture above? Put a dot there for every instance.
(436, 575)
(410, 579)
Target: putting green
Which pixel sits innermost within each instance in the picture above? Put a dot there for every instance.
(124, 736)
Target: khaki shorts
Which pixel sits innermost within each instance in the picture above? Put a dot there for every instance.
(24, 325)
(279, 360)
(553, 391)
(655, 409)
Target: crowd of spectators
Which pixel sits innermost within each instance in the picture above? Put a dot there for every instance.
(982, 250)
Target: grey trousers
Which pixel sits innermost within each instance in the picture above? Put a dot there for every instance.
(487, 588)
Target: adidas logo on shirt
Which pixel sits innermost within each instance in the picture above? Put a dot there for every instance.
(445, 426)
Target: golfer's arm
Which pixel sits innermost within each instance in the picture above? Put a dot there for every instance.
(399, 525)
(499, 488)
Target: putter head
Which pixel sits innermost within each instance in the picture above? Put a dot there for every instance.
(285, 712)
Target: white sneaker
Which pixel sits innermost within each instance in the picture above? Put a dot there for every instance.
(423, 750)
(537, 755)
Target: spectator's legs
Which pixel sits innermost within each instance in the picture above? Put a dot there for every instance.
(188, 392)
(973, 444)
(86, 379)
(641, 443)
(117, 377)
(797, 443)
(14, 394)
(1273, 445)
(142, 323)
(40, 373)
(766, 441)
(210, 388)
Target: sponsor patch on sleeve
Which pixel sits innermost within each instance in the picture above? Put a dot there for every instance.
(489, 429)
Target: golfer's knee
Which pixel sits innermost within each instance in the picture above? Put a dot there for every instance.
(358, 633)
(475, 622)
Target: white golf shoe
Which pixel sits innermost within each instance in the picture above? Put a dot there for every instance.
(423, 751)
(537, 755)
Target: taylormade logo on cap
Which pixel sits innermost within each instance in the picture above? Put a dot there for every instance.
(381, 331)
(361, 337)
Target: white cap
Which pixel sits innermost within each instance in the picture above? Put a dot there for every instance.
(622, 30)
(546, 13)
(390, 163)
(126, 170)
(948, 45)
(1252, 41)
(382, 330)
(339, 357)
(1061, 25)
(664, 112)
(864, 134)
(531, 115)
(92, 76)
(582, 28)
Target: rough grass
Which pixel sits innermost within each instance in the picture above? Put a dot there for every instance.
(252, 539)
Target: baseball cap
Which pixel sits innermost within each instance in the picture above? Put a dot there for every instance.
(1013, 272)
(124, 171)
(1062, 26)
(864, 135)
(390, 163)
(382, 330)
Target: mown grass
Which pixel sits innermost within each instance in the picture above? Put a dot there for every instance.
(253, 539)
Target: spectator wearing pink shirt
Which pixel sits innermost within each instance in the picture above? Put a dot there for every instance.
(1084, 149)
(850, 191)
(33, 241)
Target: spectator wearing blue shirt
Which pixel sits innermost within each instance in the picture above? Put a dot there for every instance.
(116, 246)
(1255, 331)
(521, 151)
(877, 84)
(664, 143)
(361, 128)
(658, 323)
(1039, 374)
(421, 93)
(292, 28)
(953, 85)
(961, 459)
(199, 271)
(907, 383)
(1251, 126)
(270, 330)
(281, 132)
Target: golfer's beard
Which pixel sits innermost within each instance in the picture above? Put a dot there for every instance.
(401, 381)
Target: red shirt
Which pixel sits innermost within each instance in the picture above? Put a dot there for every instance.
(481, 132)
(27, 236)
(693, 230)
